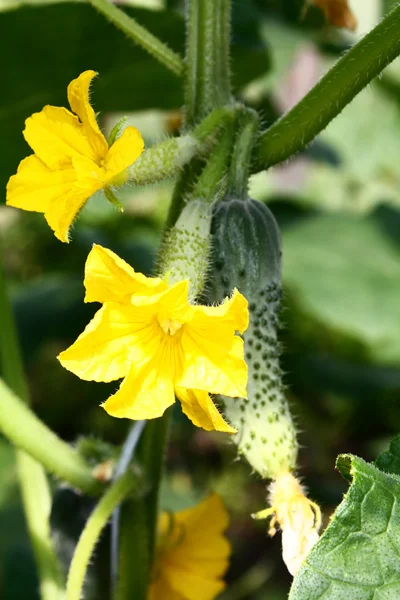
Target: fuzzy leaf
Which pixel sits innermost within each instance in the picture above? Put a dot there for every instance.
(358, 557)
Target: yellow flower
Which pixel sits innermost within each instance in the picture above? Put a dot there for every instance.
(192, 553)
(298, 517)
(148, 333)
(71, 160)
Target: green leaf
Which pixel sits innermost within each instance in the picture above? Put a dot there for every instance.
(358, 556)
(343, 274)
(48, 46)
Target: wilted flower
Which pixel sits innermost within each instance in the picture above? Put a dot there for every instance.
(298, 517)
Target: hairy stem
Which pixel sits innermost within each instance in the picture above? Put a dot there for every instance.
(335, 90)
(248, 124)
(140, 35)
(119, 490)
(207, 81)
(212, 182)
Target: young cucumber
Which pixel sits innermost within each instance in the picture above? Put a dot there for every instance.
(247, 255)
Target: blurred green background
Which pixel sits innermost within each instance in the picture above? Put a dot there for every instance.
(338, 206)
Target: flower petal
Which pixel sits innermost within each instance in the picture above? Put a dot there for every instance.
(200, 409)
(115, 338)
(233, 311)
(124, 152)
(145, 393)
(55, 135)
(35, 186)
(161, 588)
(194, 567)
(210, 366)
(78, 98)
(191, 586)
(173, 304)
(62, 210)
(108, 278)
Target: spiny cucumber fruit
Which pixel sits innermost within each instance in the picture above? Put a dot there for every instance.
(246, 254)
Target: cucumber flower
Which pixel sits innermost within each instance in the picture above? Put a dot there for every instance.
(72, 160)
(192, 554)
(147, 333)
(297, 516)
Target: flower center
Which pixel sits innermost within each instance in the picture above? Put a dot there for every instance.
(170, 327)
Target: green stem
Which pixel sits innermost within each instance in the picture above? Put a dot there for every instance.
(242, 153)
(35, 488)
(24, 429)
(140, 35)
(206, 66)
(134, 561)
(90, 535)
(335, 90)
(207, 134)
(151, 456)
(222, 41)
(191, 61)
(207, 81)
(139, 517)
(212, 182)
(36, 497)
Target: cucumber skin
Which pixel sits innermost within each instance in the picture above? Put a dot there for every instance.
(247, 255)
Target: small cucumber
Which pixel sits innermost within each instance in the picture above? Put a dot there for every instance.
(246, 254)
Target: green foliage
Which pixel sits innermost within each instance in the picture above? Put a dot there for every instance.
(357, 558)
(344, 273)
(73, 37)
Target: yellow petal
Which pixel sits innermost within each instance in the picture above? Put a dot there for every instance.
(233, 312)
(124, 152)
(108, 278)
(160, 588)
(144, 394)
(35, 186)
(211, 366)
(200, 409)
(191, 586)
(194, 567)
(62, 211)
(173, 304)
(56, 136)
(116, 337)
(78, 97)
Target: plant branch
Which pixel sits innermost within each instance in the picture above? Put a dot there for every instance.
(207, 75)
(242, 153)
(151, 455)
(116, 493)
(212, 181)
(24, 429)
(124, 460)
(297, 128)
(140, 35)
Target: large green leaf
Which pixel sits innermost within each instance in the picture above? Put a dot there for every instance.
(44, 47)
(344, 275)
(358, 557)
